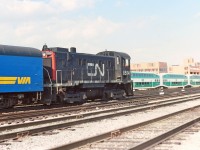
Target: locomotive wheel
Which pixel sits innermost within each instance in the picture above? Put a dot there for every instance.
(8, 103)
(84, 97)
(124, 95)
(5, 104)
(105, 96)
(60, 98)
(27, 101)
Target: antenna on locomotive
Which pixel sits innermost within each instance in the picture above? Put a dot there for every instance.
(44, 47)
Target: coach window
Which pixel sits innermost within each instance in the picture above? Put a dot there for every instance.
(118, 60)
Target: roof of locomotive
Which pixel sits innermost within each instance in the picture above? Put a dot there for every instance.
(114, 53)
(19, 51)
(102, 54)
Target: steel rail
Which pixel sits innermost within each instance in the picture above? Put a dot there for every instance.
(136, 108)
(158, 139)
(146, 94)
(81, 121)
(31, 114)
(108, 135)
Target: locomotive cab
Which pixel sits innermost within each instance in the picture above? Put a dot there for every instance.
(122, 65)
(122, 73)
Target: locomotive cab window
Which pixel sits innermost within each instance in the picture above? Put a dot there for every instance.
(127, 63)
(123, 62)
(118, 61)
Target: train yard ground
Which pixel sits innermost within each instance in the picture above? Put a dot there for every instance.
(74, 126)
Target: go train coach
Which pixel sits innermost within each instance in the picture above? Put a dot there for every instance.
(145, 80)
(170, 80)
(194, 80)
(21, 75)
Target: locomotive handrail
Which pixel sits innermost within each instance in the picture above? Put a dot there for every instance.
(57, 78)
(60, 76)
(49, 78)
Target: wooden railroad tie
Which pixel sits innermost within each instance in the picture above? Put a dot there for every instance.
(22, 135)
(152, 107)
(79, 116)
(83, 109)
(115, 133)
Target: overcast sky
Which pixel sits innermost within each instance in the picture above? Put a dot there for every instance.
(148, 30)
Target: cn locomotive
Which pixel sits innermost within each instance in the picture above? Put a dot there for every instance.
(61, 75)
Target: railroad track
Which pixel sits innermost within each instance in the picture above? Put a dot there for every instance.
(35, 114)
(144, 135)
(167, 91)
(41, 115)
(177, 139)
(138, 95)
(31, 128)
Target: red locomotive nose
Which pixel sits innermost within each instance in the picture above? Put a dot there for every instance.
(50, 56)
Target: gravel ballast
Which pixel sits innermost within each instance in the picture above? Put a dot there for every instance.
(90, 129)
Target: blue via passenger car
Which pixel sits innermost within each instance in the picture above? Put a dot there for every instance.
(21, 74)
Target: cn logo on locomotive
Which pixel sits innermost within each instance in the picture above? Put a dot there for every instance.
(95, 67)
(15, 80)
